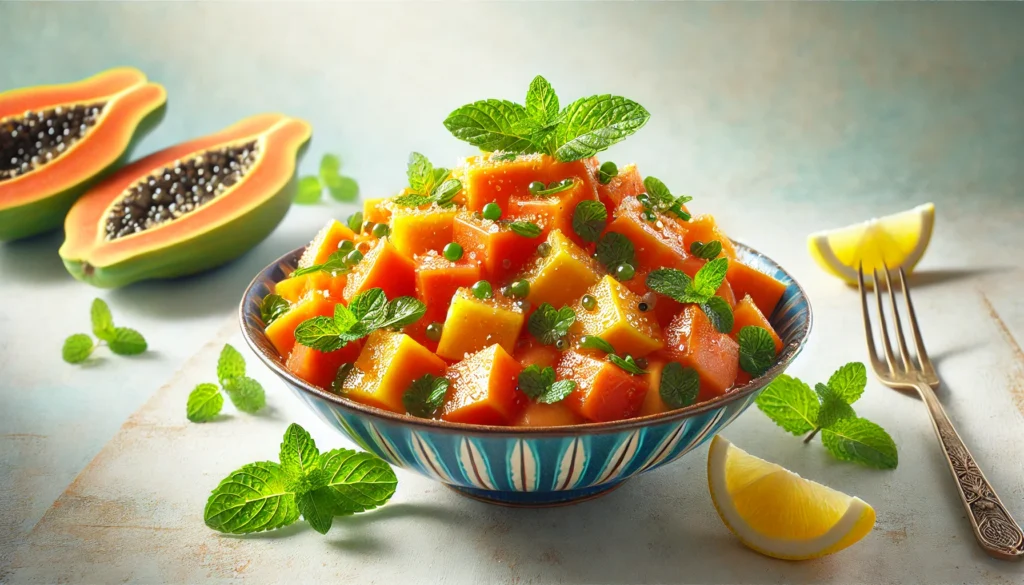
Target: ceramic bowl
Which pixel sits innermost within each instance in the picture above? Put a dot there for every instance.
(531, 466)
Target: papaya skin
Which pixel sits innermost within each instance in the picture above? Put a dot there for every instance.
(212, 235)
(38, 201)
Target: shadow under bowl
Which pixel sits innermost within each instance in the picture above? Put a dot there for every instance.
(541, 466)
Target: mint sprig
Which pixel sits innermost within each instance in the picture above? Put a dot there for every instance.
(679, 385)
(540, 384)
(428, 184)
(707, 251)
(341, 188)
(318, 486)
(79, 347)
(791, 404)
(527, 229)
(550, 325)
(580, 130)
(272, 307)
(369, 311)
(340, 262)
(205, 400)
(425, 395)
(614, 250)
(624, 361)
(757, 350)
(699, 290)
(589, 219)
(659, 199)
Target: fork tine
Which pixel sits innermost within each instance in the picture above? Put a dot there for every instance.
(889, 357)
(922, 355)
(897, 325)
(872, 350)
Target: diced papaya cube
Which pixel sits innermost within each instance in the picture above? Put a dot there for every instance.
(499, 251)
(486, 180)
(665, 308)
(417, 231)
(386, 367)
(653, 404)
(531, 352)
(746, 313)
(725, 291)
(555, 211)
(604, 392)
(438, 279)
(297, 287)
(693, 341)
(383, 267)
(618, 320)
(536, 414)
(562, 276)
(657, 243)
(325, 243)
(281, 332)
(483, 389)
(377, 210)
(473, 324)
(628, 183)
(765, 290)
(704, 229)
(318, 367)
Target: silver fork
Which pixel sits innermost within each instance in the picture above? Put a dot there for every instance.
(997, 532)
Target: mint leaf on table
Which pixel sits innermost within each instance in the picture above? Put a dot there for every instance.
(549, 325)
(127, 342)
(849, 381)
(361, 481)
(833, 407)
(425, 395)
(318, 508)
(246, 394)
(204, 403)
(252, 499)
(791, 404)
(272, 307)
(679, 385)
(861, 441)
(590, 125)
(719, 313)
(540, 384)
(589, 219)
(330, 167)
(614, 250)
(757, 350)
(299, 454)
(102, 320)
(309, 191)
(77, 348)
(527, 229)
(627, 363)
(230, 365)
(343, 189)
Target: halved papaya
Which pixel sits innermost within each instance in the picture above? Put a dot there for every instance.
(58, 140)
(187, 208)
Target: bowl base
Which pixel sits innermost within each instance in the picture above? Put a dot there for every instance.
(536, 499)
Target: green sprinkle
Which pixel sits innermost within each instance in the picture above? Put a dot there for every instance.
(589, 302)
(434, 331)
(453, 251)
(353, 257)
(381, 230)
(520, 288)
(482, 290)
(347, 245)
(625, 271)
(544, 249)
(368, 227)
(536, 187)
(492, 211)
(355, 221)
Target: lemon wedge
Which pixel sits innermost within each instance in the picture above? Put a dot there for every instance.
(898, 240)
(778, 513)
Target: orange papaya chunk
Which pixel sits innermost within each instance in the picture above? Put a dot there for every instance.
(325, 243)
(653, 404)
(417, 231)
(628, 183)
(562, 276)
(763, 289)
(296, 288)
(657, 243)
(486, 180)
(554, 211)
(536, 414)
(704, 229)
(383, 267)
(531, 352)
(693, 341)
(746, 314)
(377, 210)
(281, 332)
(498, 250)
(386, 367)
(320, 368)
(618, 320)
(483, 389)
(604, 392)
(725, 291)
(473, 324)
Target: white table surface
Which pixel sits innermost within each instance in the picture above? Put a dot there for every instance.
(779, 119)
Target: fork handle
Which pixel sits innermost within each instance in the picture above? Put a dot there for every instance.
(996, 531)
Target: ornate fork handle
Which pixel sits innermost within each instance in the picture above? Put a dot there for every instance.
(995, 529)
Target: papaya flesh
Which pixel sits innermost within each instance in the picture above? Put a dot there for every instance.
(56, 141)
(188, 208)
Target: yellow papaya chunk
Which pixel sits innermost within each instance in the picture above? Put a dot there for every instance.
(618, 320)
(417, 231)
(386, 367)
(474, 324)
(563, 275)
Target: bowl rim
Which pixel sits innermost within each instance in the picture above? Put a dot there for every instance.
(789, 353)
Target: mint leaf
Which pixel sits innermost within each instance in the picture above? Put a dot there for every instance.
(491, 125)
(549, 325)
(77, 348)
(590, 125)
(595, 342)
(607, 172)
(230, 365)
(272, 307)
(541, 102)
(540, 385)
(445, 192)
(204, 403)
(557, 392)
(299, 454)
(849, 381)
(659, 198)
(861, 441)
(309, 191)
(361, 481)
(627, 363)
(317, 508)
(679, 386)
(403, 311)
(706, 251)
(412, 200)
(343, 189)
(319, 333)
(330, 167)
(252, 499)
(710, 276)
(791, 404)
(339, 377)
(674, 284)
(527, 229)
(420, 173)
(615, 249)
(127, 342)
(370, 306)
(588, 220)
(656, 190)
(833, 407)
(425, 395)
(246, 394)
(757, 350)
(720, 314)
(344, 318)
(102, 320)
(337, 263)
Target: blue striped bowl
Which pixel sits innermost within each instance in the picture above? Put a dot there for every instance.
(535, 466)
